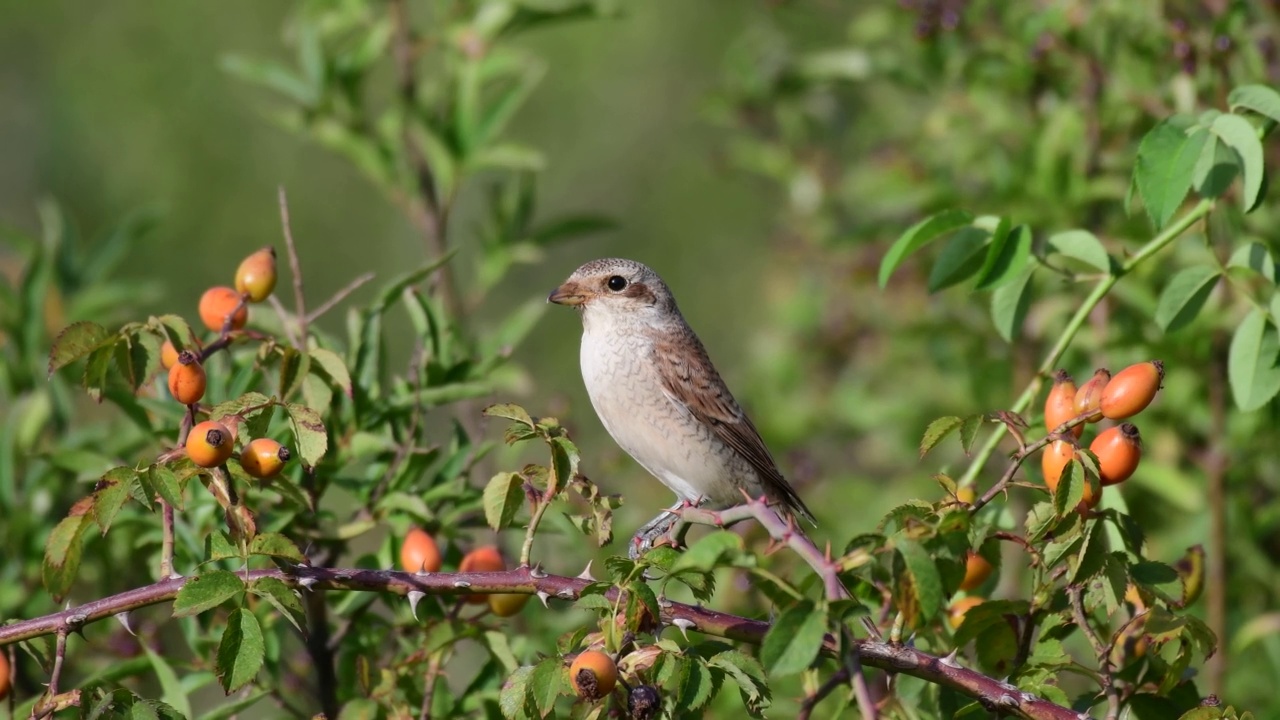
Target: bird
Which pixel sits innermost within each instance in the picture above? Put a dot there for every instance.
(659, 396)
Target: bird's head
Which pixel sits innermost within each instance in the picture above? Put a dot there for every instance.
(616, 288)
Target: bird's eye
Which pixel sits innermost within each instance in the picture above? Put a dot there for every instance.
(617, 283)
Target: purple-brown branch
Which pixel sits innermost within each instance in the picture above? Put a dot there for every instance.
(995, 695)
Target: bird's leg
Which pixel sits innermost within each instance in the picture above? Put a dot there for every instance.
(642, 542)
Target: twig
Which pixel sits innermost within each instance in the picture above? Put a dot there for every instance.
(1100, 648)
(992, 693)
(526, 550)
(339, 296)
(429, 684)
(853, 666)
(1062, 432)
(1036, 560)
(321, 657)
(166, 542)
(811, 701)
(782, 532)
(1215, 467)
(52, 704)
(299, 300)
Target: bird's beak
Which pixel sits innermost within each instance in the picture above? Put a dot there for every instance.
(569, 293)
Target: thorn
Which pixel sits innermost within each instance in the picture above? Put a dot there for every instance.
(565, 593)
(746, 495)
(543, 597)
(586, 573)
(663, 602)
(461, 584)
(415, 596)
(828, 552)
(126, 619)
(685, 625)
(422, 572)
(306, 583)
(950, 659)
(536, 572)
(176, 576)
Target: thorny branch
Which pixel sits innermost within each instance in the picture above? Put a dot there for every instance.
(995, 695)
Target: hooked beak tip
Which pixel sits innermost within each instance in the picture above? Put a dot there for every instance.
(565, 295)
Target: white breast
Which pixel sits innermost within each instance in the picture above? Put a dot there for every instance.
(627, 396)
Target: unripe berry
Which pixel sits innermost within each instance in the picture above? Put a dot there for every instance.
(187, 379)
(209, 444)
(593, 675)
(482, 559)
(419, 552)
(1089, 396)
(256, 276)
(1060, 405)
(1118, 449)
(976, 571)
(1132, 390)
(264, 458)
(959, 608)
(168, 355)
(507, 604)
(219, 302)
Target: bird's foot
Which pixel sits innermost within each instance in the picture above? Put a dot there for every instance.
(652, 531)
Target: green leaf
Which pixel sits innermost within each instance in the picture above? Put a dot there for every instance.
(960, 258)
(166, 484)
(1081, 245)
(110, 495)
(332, 365)
(919, 235)
(240, 652)
(1241, 136)
(1070, 490)
(937, 430)
(698, 687)
(510, 412)
(1256, 257)
(922, 578)
(173, 695)
(1258, 98)
(284, 598)
(545, 683)
(795, 639)
(708, 552)
(1009, 305)
(514, 697)
(1006, 260)
(276, 545)
(1184, 296)
(1216, 168)
(748, 674)
(1165, 168)
(62, 554)
(77, 340)
(206, 592)
(503, 497)
(1251, 362)
(308, 432)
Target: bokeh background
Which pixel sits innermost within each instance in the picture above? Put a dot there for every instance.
(761, 156)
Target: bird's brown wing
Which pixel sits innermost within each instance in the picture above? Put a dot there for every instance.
(692, 383)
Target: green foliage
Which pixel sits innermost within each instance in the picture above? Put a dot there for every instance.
(1015, 175)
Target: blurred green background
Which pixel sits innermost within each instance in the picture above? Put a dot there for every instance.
(759, 155)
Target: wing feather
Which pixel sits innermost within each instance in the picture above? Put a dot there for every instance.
(691, 381)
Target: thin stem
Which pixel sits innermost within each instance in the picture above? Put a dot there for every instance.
(166, 542)
(527, 548)
(867, 705)
(429, 684)
(299, 300)
(1100, 649)
(338, 297)
(1153, 246)
(811, 701)
(1216, 474)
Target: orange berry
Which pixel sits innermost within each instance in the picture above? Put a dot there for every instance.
(187, 379)
(1060, 405)
(209, 444)
(264, 458)
(168, 355)
(959, 608)
(482, 559)
(1132, 390)
(419, 552)
(256, 276)
(219, 302)
(1089, 396)
(593, 674)
(1118, 449)
(1054, 461)
(976, 571)
(507, 604)
(4, 674)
